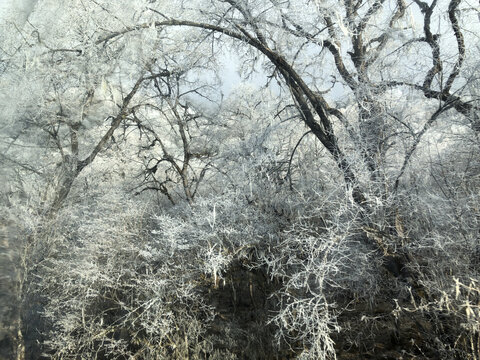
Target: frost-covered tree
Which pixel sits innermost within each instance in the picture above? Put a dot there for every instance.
(330, 198)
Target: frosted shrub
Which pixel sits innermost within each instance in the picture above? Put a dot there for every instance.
(119, 281)
(319, 262)
(217, 229)
(113, 293)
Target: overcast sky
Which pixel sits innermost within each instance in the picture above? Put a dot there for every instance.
(16, 10)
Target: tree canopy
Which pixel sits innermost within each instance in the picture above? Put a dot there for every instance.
(323, 204)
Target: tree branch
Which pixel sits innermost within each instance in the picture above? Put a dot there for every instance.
(426, 126)
(452, 8)
(122, 114)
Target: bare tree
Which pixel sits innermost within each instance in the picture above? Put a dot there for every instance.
(322, 196)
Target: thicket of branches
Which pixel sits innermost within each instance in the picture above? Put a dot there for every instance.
(325, 206)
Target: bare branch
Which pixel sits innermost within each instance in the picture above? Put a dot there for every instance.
(122, 114)
(452, 8)
(419, 135)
